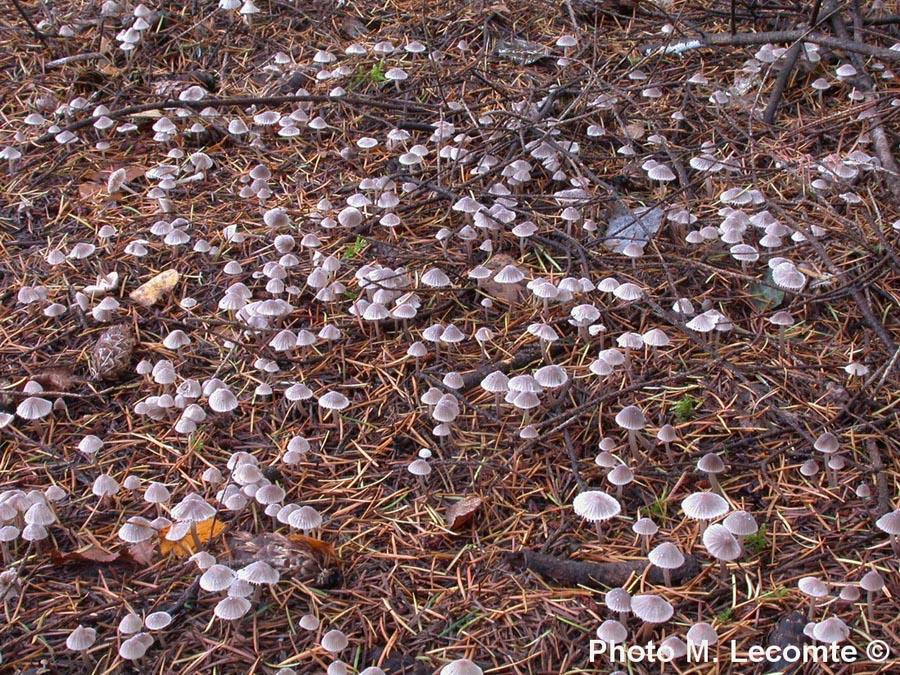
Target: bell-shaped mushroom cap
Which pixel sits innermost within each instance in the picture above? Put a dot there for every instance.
(740, 523)
(337, 668)
(137, 529)
(461, 667)
(130, 623)
(612, 631)
(334, 400)
(40, 513)
(889, 523)
(704, 506)
(721, 544)
(372, 670)
(509, 275)
(631, 418)
(551, 377)
(231, 608)
(655, 337)
(309, 622)
(628, 291)
(651, 608)
(156, 493)
(701, 633)
(305, 518)
(105, 486)
(813, 587)
(334, 641)
(827, 443)
(871, 581)
(435, 278)
(81, 638)
(134, 647)
(850, 593)
(222, 400)
(259, 572)
(419, 467)
(496, 382)
(525, 383)
(618, 600)
(193, 508)
(217, 578)
(711, 463)
(666, 556)
(620, 475)
(831, 630)
(645, 527)
(667, 434)
(674, 646)
(157, 620)
(34, 408)
(594, 506)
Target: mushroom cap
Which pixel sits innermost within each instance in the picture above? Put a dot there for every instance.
(827, 443)
(850, 593)
(334, 400)
(157, 620)
(831, 630)
(193, 508)
(813, 587)
(645, 527)
(496, 382)
(702, 632)
(667, 434)
(231, 608)
(334, 641)
(618, 600)
(620, 475)
(137, 529)
(309, 622)
(595, 506)
(217, 578)
(666, 556)
(461, 667)
(704, 506)
(419, 467)
(740, 523)
(259, 572)
(612, 631)
(651, 608)
(889, 523)
(711, 463)
(631, 417)
(721, 544)
(305, 518)
(871, 581)
(81, 638)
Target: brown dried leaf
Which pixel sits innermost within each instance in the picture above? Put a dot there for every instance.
(142, 552)
(91, 554)
(56, 379)
(462, 512)
(151, 292)
(511, 293)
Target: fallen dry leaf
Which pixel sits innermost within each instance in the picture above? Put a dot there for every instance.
(207, 530)
(462, 512)
(91, 555)
(151, 292)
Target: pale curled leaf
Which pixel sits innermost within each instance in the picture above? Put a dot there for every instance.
(151, 292)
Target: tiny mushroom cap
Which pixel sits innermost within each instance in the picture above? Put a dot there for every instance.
(334, 400)
(461, 667)
(711, 463)
(259, 572)
(618, 600)
(620, 475)
(651, 608)
(704, 506)
(645, 527)
(305, 518)
(720, 543)
(740, 523)
(334, 641)
(231, 608)
(667, 434)
(612, 631)
(81, 638)
(813, 587)
(850, 593)
(595, 506)
(133, 648)
(674, 646)
(666, 556)
(827, 443)
(871, 581)
(701, 633)
(831, 630)
(419, 467)
(193, 508)
(130, 623)
(309, 622)
(157, 620)
(631, 418)
(889, 523)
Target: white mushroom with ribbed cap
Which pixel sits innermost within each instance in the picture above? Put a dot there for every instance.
(596, 507)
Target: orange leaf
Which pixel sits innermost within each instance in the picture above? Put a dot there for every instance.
(315, 545)
(151, 292)
(207, 530)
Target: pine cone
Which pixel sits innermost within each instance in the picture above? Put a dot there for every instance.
(111, 355)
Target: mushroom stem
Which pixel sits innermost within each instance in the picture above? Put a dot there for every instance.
(632, 443)
(714, 484)
(870, 606)
(667, 576)
(601, 535)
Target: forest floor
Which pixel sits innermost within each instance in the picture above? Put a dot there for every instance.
(224, 237)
